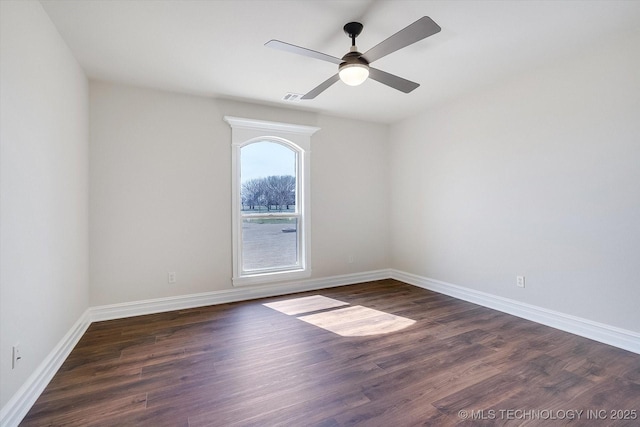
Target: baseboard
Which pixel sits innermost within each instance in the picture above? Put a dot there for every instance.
(617, 337)
(159, 305)
(18, 406)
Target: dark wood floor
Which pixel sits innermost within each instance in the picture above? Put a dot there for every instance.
(248, 364)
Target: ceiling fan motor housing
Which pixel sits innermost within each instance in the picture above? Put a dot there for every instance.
(353, 57)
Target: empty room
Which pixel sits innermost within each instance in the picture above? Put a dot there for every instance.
(319, 213)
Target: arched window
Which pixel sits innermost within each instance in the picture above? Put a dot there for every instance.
(270, 199)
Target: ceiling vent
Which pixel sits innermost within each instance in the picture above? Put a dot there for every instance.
(292, 97)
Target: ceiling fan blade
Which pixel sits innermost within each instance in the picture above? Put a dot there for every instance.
(321, 87)
(277, 44)
(392, 80)
(422, 28)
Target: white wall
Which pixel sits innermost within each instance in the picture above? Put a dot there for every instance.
(160, 192)
(538, 176)
(43, 190)
(349, 196)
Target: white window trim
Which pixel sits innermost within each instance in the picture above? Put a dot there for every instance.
(247, 131)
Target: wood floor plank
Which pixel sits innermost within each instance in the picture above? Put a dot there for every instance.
(248, 364)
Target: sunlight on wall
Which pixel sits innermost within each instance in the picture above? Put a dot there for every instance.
(339, 317)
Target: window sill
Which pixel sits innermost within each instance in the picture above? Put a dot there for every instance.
(267, 278)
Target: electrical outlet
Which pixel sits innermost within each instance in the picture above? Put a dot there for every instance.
(171, 277)
(520, 281)
(16, 356)
(350, 260)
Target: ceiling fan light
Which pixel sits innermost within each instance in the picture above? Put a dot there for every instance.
(353, 74)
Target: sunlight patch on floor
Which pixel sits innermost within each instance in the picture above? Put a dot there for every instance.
(357, 321)
(341, 318)
(295, 306)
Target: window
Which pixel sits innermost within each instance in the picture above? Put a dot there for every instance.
(270, 198)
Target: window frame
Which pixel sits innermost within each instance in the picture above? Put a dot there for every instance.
(297, 138)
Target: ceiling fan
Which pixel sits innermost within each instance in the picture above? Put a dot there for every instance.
(354, 68)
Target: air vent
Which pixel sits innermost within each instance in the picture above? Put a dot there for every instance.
(292, 97)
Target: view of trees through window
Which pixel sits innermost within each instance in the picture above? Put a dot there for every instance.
(268, 177)
(276, 192)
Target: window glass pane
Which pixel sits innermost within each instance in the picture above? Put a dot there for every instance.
(269, 243)
(267, 178)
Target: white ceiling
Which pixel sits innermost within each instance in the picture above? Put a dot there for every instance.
(216, 48)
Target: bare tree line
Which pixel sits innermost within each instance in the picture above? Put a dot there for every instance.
(277, 192)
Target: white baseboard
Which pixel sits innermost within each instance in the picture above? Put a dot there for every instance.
(617, 337)
(159, 305)
(18, 406)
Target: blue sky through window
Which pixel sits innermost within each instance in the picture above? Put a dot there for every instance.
(265, 158)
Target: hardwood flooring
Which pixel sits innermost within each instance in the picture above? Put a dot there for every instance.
(449, 362)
